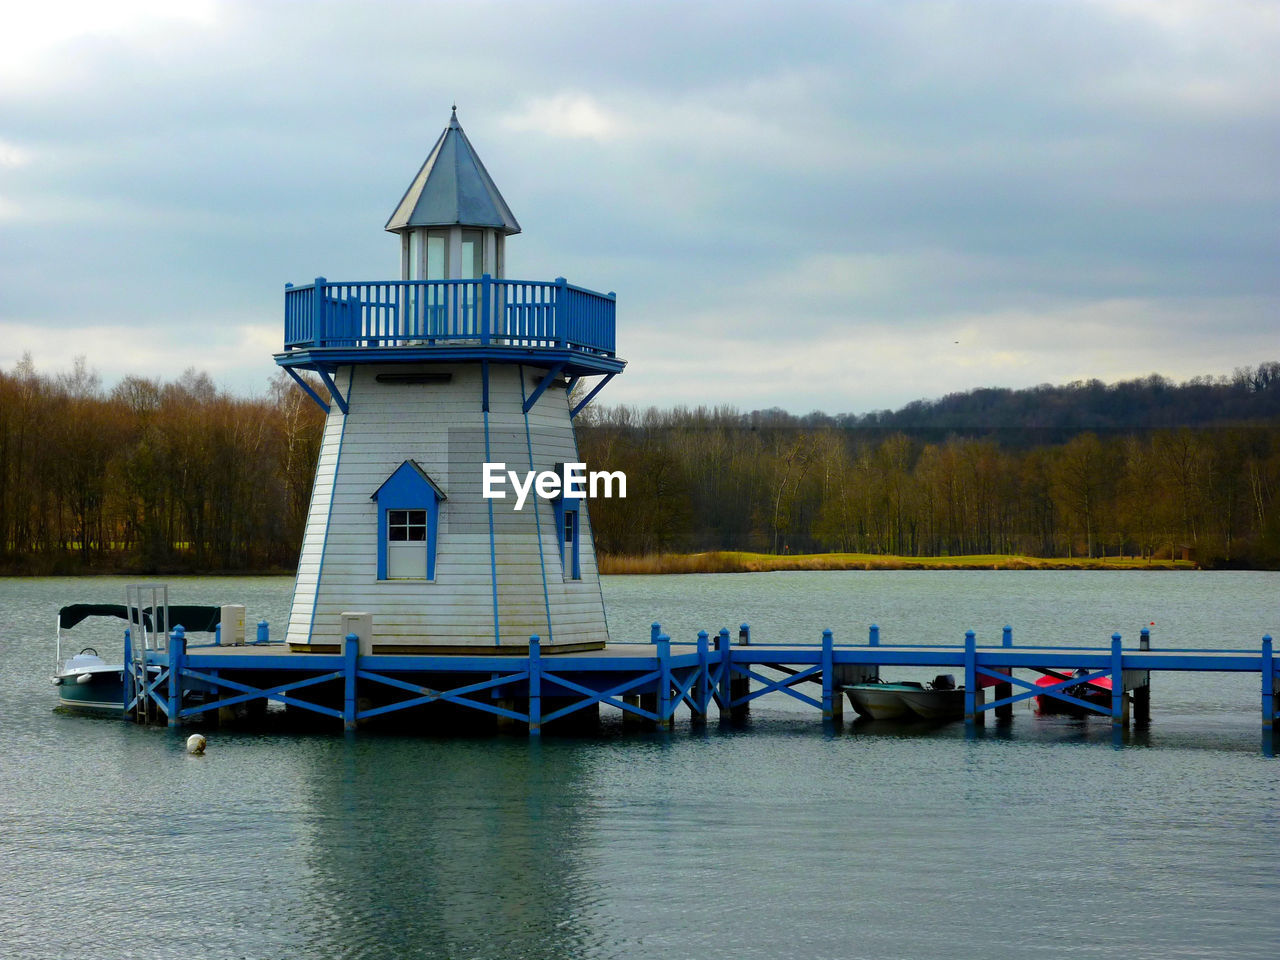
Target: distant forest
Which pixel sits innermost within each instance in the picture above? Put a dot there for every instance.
(151, 476)
(1139, 468)
(155, 477)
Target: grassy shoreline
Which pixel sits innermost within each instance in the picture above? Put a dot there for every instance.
(739, 562)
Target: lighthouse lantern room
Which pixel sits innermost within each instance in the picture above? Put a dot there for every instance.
(425, 380)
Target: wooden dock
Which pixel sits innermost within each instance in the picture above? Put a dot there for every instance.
(649, 681)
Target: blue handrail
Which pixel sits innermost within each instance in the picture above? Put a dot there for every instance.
(393, 313)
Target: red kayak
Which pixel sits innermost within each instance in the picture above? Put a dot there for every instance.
(1096, 691)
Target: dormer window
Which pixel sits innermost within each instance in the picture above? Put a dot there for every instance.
(408, 521)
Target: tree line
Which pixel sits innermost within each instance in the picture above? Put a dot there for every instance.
(986, 472)
(153, 476)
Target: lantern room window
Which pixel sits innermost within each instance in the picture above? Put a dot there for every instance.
(472, 265)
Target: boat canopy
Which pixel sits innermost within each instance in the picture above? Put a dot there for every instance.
(193, 619)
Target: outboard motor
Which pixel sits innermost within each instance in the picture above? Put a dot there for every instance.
(944, 681)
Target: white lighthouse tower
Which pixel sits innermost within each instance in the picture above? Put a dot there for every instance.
(429, 378)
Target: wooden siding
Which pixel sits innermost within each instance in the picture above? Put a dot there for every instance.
(318, 519)
(441, 426)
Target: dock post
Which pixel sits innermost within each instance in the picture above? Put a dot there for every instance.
(649, 701)
(1005, 690)
(830, 696)
(1117, 682)
(740, 686)
(1268, 684)
(264, 632)
(873, 635)
(350, 661)
(666, 709)
(971, 715)
(1142, 693)
(177, 654)
(702, 686)
(535, 686)
(726, 691)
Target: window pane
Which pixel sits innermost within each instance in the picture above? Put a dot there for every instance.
(415, 254)
(396, 517)
(435, 255)
(396, 534)
(472, 254)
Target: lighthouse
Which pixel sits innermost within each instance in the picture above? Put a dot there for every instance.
(426, 380)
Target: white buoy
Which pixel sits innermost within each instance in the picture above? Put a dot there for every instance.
(195, 745)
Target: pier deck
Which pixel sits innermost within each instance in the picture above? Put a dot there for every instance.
(649, 681)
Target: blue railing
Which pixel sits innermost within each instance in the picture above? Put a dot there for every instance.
(400, 313)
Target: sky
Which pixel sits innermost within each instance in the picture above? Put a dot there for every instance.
(832, 206)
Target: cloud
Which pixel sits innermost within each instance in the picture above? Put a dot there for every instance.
(566, 115)
(877, 363)
(39, 38)
(813, 202)
(236, 355)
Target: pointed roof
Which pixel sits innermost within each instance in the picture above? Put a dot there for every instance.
(412, 471)
(453, 187)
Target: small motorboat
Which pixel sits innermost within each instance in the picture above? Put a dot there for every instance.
(939, 700)
(881, 701)
(1096, 691)
(88, 682)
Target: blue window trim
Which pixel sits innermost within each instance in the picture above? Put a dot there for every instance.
(408, 488)
(572, 565)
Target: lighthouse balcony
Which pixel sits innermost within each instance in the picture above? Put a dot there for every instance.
(406, 320)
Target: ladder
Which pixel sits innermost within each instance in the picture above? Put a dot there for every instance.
(148, 608)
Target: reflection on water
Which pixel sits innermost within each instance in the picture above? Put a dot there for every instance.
(779, 839)
(448, 848)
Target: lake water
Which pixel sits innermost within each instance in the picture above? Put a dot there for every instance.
(774, 840)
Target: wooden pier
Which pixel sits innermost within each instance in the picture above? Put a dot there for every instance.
(648, 682)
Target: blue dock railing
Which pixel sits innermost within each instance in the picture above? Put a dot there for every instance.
(660, 677)
(523, 313)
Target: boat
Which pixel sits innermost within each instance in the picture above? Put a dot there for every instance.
(88, 682)
(881, 701)
(939, 700)
(1096, 691)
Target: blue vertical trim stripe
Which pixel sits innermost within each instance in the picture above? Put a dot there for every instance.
(493, 549)
(583, 512)
(528, 439)
(333, 494)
